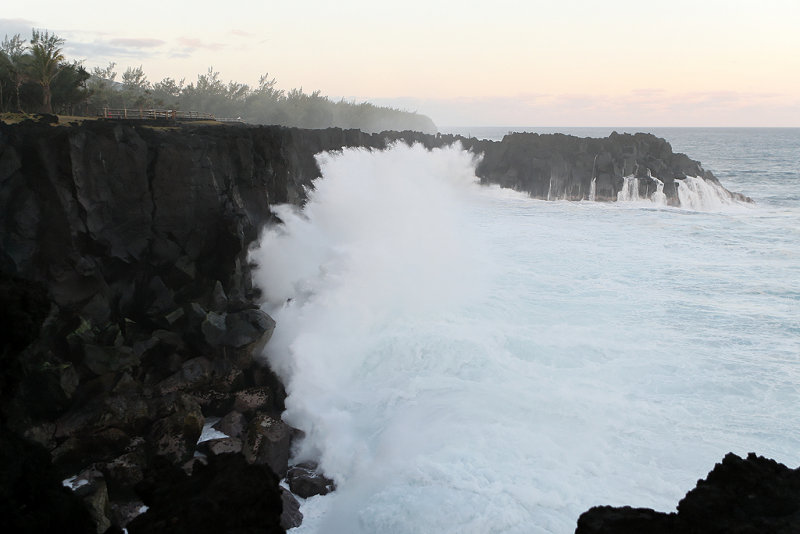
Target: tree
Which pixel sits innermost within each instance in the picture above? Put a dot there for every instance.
(136, 90)
(12, 61)
(69, 88)
(167, 93)
(100, 85)
(46, 58)
(262, 104)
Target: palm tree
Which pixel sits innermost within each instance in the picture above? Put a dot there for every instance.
(46, 58)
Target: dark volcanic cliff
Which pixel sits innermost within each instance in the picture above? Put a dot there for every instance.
(557, 166)
(126, 285)
(126, 304)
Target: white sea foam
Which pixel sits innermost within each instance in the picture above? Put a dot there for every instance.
(466, 359)
(697, 194)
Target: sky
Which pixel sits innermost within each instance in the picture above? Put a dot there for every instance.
(467, 63)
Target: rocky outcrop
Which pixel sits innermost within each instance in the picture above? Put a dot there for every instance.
(128, 310)
(558, 166)
(563, 167)
(226, 495)
(738, 496)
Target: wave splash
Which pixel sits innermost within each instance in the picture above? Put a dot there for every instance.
(694, 193)
(454, 356)
(698, 194)
(380, 245)
(361, 284)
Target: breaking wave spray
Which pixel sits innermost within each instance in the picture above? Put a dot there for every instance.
(465, 359)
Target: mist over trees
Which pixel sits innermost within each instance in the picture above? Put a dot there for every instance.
(36, 77)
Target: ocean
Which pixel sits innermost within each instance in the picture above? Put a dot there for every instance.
(465, 359)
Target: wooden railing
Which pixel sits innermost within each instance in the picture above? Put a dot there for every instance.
(171, 114)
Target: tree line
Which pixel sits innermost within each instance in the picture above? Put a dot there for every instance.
(35, 76)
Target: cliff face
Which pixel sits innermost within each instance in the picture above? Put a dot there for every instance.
(86, 207)
(126, 296)
(107, 213)
(83, 203)
(125, 279)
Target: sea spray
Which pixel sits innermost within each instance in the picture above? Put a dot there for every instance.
(381, 241)
(630, 191)
(696, 193)
(466, 359)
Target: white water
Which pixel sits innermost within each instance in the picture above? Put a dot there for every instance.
(698, 194)
(629, 191)
(465, 359)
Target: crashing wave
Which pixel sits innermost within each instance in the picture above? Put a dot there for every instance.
(631, 187)
(695, 193)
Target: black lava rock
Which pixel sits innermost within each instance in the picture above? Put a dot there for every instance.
(227, 495)
(739, 496)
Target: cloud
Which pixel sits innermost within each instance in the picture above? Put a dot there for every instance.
(100, 47)
(191, 43)
(101, 50)
(11, 27)
(136, 43)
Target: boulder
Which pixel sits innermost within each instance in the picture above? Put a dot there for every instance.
(91, 487)
(291, 516)
(232, 424)
(219, 300)
(174, 437)
(268, 441)
(214, 328)
(248, 327)
(305, 480)
(215, 447)
(192, 374)
(251, 400)
(125, 471)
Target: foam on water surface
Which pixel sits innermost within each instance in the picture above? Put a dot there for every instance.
(466, 359)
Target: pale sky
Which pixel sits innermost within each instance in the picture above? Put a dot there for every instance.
(465, 63)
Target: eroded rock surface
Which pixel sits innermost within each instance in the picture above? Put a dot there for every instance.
(751, 495)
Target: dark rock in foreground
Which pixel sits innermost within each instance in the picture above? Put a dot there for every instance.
(32, 498)
(227, 495)
(753, 495)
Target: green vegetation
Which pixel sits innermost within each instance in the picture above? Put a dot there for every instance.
(36, 77)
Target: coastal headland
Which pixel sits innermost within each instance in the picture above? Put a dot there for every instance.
(131, 322)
